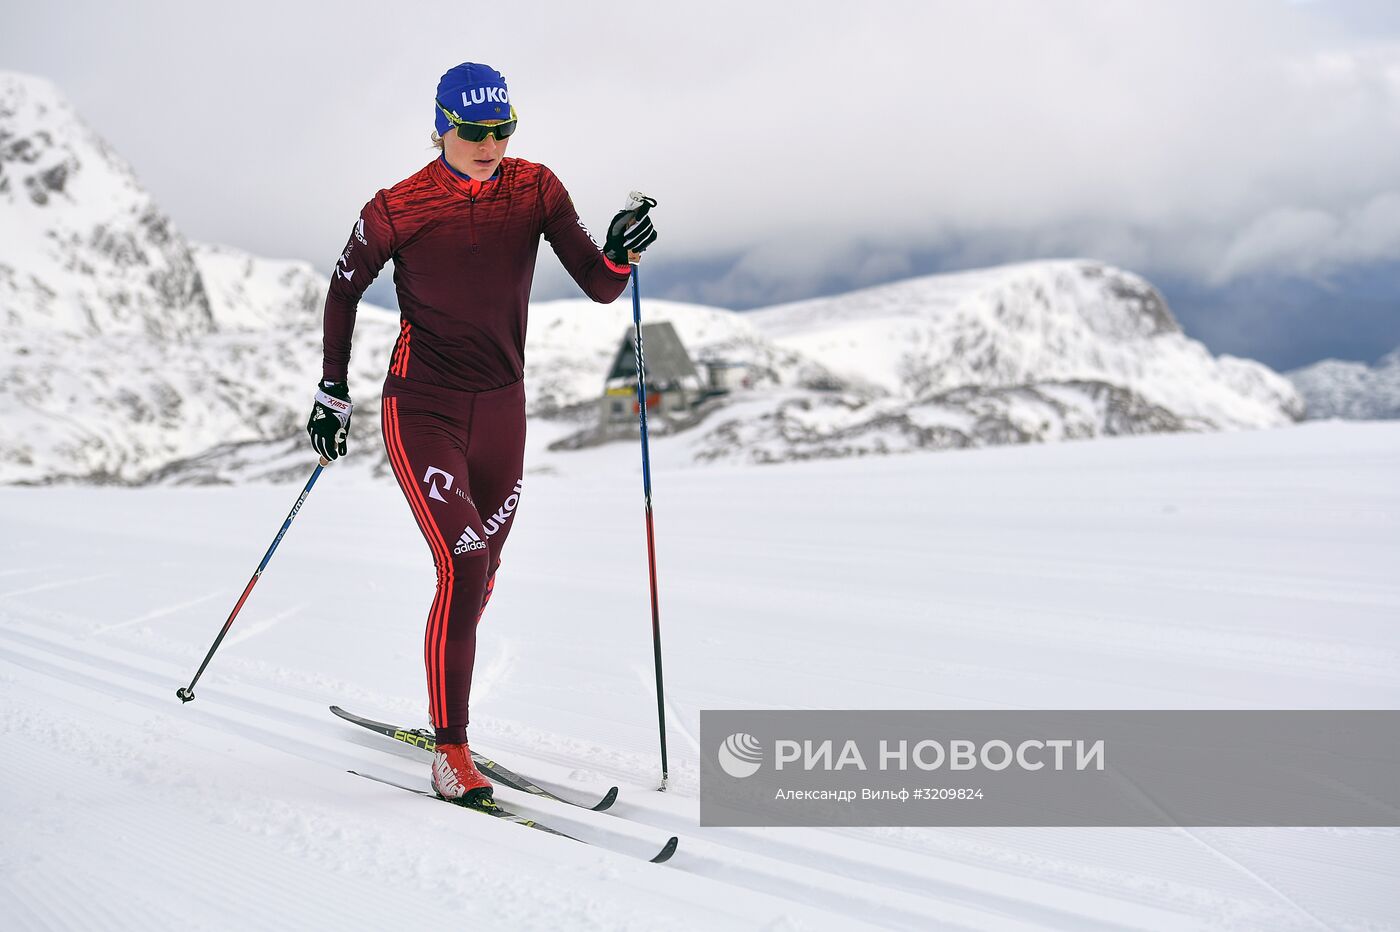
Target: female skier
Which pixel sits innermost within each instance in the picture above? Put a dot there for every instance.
(463, 233)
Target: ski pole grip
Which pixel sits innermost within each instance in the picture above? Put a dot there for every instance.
(637, 199)
(325, 462)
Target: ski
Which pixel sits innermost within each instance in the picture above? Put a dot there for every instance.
(421, 738)
(494, 809)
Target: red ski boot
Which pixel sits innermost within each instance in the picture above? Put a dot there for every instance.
(456, 779)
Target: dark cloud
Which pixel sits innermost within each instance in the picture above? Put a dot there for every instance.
(1290, 322)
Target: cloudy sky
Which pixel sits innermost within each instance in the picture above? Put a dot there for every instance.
(1244, 155)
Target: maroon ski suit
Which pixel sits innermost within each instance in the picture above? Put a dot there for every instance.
(453, 414)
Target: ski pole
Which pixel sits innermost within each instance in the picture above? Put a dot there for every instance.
(186, 693)
(637, 200)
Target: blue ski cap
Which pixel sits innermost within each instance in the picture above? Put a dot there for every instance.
(472, 92)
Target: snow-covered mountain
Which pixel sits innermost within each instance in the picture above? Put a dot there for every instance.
(85, 249)
(1033, 351)
(1022, 353)
(117, 407)
(132, 355)
(1353, 390)
(123, 346)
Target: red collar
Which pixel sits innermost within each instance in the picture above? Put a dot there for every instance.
(452, 180)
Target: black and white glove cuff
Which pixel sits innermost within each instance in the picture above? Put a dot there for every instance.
(337, 406)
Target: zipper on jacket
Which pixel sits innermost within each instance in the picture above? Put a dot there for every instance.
(471, 222)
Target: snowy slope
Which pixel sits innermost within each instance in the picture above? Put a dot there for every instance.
(123, 346)
(1034, 352)
(253, 293)
(1235, 570)
(83, 248)
(1028, 324)
(117, 407)
(1337, 388)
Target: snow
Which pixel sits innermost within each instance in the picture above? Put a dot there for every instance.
(1235, 570)
(1339, 388)
(120, 406)
(85, 249)
(1229, 570)
(1033, 322)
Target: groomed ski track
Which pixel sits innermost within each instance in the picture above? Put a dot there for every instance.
(1240, 570)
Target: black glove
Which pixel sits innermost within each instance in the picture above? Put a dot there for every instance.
(630, 230)
(330, 419)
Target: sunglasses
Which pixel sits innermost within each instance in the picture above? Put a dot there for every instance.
(477, 132)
